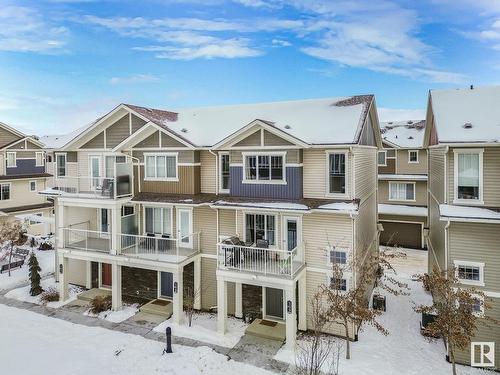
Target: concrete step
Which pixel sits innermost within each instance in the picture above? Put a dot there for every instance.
(159, 307)
(89, 295)
(267, 329)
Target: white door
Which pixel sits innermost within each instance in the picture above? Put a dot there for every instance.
(185, 227)
(291, 232)
(95, 170)
(104, 222)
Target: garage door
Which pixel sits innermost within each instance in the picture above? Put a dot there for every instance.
(401, 234)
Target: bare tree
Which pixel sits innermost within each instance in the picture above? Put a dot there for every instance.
(458, 310)
(11, 234)
(190, 296)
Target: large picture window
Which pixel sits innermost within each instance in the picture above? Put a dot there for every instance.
(161, 166)
(468, 182)
(401, 191)
(337, 173)
(260, 227)
(158, 220)
(264, 168)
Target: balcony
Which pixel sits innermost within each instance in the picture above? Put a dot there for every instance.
(91, 187)
(271, 262)
(161, 249)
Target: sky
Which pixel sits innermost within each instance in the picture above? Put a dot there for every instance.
(63, 63)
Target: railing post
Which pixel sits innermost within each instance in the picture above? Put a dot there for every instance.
(265, 263)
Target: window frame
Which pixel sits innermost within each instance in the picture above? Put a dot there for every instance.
(409, 157)
(171, 208)
(265, 214)
(37, 153)
(220, 155)
(29, 185)
(56, 156)
(330, 250)
(346, 172)
(165, 154)
(347, 276)
(391, 183)
(7, 159)
(479, 265)
(128, 206)
(10, 191)
(456, 153)
(385, 158)
(281, 154)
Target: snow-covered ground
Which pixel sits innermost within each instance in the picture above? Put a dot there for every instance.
(404, 350)
(56, 347)
(23, 293)
(124, 313)
(204, 328)
(20, 275)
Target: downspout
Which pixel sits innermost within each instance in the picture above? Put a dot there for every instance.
(351, 171)
(216, 171)
(447, 148)
(446, 240)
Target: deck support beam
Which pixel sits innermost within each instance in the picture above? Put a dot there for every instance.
(221, 305)
(116, 286)
(302, 303)
(63, 271)
(178, 300)
(238, 294)
(197, 284)
(291, 318)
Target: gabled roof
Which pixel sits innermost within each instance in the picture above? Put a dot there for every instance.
(403, 134)
(12, 130)
(466, 115)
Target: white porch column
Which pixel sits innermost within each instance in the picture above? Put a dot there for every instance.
(178, 300)
(197, 284)
(116, 229)
(88, 274)
(63, 277)
(302, 304)
(116, 286)
(238, 294)
(291, 318)
(221, 305)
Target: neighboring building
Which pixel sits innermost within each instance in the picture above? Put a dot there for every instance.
(402, 184)
(248, 204)
(463, 136)
(22, 176)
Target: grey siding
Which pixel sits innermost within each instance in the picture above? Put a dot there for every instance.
(118, 132)
(96, 142)
(271, 139)
(252, 140)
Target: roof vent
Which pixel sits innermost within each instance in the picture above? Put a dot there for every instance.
(409, 122)
(410, 137)
(467, 125)
(288, 127)
(184, 130)
(390, 122)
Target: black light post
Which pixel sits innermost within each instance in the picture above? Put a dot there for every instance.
(168, 333)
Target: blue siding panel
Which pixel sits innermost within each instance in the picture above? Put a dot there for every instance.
(292, 190)
(24, 166)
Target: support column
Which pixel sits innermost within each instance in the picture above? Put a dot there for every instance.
(238, 294)
(291, 319)
(302, 304)
(197, 284)
(178, 300)
(63, 277)
(116, 229)
(59, 224)
(88, 274)
(116, 286)
(221, 305)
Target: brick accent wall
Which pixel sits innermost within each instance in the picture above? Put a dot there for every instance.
(139, 284)
(252, 300)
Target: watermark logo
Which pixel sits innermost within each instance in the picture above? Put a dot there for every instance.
(482, 354)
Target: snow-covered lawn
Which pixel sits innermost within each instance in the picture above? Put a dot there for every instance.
(20, 275)
(56, 347)
(204, 328)
(23, 293)
(124, 313)
(404, 350)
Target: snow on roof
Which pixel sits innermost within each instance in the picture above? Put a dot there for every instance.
(403, 177)
(399, 209)
(315, 121)
(405, 134)
(467, 115)
(344, 207)
(278, 205)
(465, 212)
(58, 141)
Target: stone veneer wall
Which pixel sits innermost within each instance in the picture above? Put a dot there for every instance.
(139, 284)
(252, 300)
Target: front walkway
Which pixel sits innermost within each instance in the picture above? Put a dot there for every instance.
(251, 350)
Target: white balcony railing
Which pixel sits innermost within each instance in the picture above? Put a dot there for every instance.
(260, 260)
(163, 249)
(94, 187)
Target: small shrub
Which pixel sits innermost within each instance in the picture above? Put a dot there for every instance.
(99, 304)
(49, 295)
(45, 246)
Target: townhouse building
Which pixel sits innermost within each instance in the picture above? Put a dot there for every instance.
(402, 184)
(22, 176)
(247, 204)
(463, 135)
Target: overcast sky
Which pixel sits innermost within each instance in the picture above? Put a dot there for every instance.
(65, 62)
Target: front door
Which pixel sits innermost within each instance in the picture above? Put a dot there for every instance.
(104, 222)
(184, 227)
(290, 232)
(274, 303)
(166, 285)
(106, 275)
(95, 171)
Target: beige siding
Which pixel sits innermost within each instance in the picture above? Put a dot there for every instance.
(152, 141)
(227, 222)
(208, 173)
(271, 139)
(436, 243)
(7, 137)
(366, 226)
(32, 146)
(118, 131)
(390, 168)
(96, 142)
(203, 222)
(365, 172)
(252, 140)
(188, 183)
(437, 158)
(209, 287)
(167, 141)
(137, 123)
(420, 194)
(404, 167)
(77, 272)
(20, 194)
(184, 156)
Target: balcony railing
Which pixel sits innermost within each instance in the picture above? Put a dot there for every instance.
(274, 262)
(93, 187)
(164, 249)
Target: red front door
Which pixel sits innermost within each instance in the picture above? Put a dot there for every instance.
(106, 274)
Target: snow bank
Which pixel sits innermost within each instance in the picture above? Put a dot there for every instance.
(464, 212)
(403, 177)
(278, 205)
(127, 311)
(399, 209)
(20, 275)
(340, 207)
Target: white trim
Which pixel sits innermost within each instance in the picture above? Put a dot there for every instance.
(385, 158)
(409, 157)
(56, 154)
(42, 158)
(162, 218)
(284, 237)
(7, 159)
(10, 191)
(347, 169)
(219, 171)
(179, 212)
(457, 152)
(265, 214)
(166, 154)
(282, 154)
(480, 265)
(402, 183)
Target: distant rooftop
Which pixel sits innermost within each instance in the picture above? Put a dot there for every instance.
(404, 134)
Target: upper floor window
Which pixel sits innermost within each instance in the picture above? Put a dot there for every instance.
(468, 174)
(412, 156)
(4, 192)
(264, 167)
(39, 162)
(11, 160)
(337, 173)
(60, 165)
(401, 191)
(224, 172)
(338, 256)
(161, 166)
(470, 272)
(260, 228)
(158, 220)
(32, 185)
(382, 158)
(338, 284)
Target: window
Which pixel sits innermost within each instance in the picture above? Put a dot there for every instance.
(34, 222)
(39, 162)
(158, 220)
(224, 172)
(338, 256)
(127, 210)
(161, 166)
(468, 174)
(470, 272)
(338, 284)
(412, 156)
(401, 191)
(260, 227)
(262, 168)
(382, 158)
(11, 160)
(32, 185)
(336, 173)
(4, 192)
(60, 165)
(478, 306)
